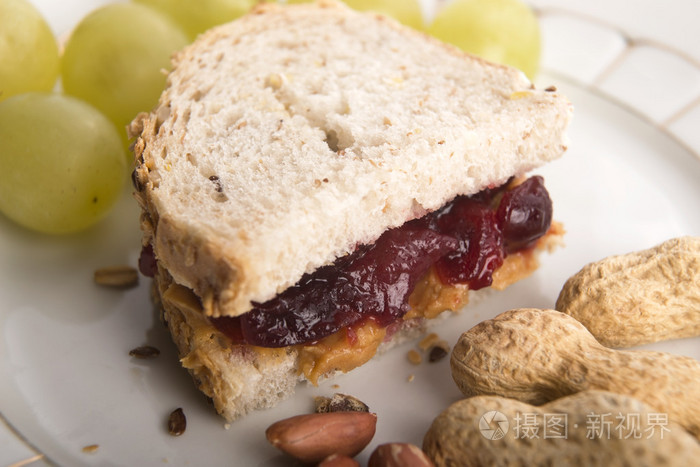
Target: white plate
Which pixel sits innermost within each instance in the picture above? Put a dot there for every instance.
(629, 181)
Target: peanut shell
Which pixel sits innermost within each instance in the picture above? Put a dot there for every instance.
(467, 433)
(638, 298)
(537, 356)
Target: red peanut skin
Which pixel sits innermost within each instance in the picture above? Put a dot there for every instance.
(313, 437)
(338, 460)
(399, 455)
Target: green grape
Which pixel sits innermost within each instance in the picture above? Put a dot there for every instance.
(28, 50)
(503, 31)
(196, 16)
(62, 163)
(407, 12)
(114, 57)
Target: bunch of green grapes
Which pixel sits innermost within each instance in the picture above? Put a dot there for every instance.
(114, 57)
(62, 164)
(502, 31)
(28, 50)
(62, 158)
(407, 12)
(196, 16)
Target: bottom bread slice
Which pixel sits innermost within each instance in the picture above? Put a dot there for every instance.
(242, 378)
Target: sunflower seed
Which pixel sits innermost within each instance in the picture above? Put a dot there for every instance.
(117, 276)
(339, 403)
(177, 422)
(145, 351)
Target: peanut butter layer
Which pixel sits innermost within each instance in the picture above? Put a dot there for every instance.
(350, 348)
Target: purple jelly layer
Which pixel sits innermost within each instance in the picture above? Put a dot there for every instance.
(465, 241)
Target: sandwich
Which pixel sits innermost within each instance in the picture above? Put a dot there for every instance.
(317, 185)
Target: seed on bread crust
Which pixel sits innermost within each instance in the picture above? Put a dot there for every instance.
(217, 183)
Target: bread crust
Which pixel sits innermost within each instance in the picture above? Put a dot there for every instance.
(252, 172)
(238, 379)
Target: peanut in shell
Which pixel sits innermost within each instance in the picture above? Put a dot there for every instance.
(588, 428)
(536, 356)
(638, 298)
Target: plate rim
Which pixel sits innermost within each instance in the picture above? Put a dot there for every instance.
(568, 79)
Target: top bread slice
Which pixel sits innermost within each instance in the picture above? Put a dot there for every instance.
(288, 137)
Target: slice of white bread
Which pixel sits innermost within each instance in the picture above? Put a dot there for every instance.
(286, 138)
